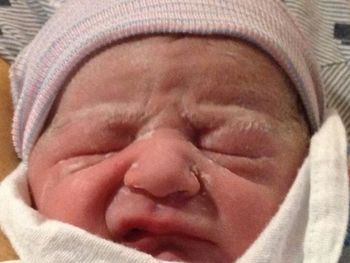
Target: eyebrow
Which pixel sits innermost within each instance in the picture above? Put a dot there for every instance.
(112, 114)
(199, 119)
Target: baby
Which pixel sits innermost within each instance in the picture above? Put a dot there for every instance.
(182, 147)
(180, 140)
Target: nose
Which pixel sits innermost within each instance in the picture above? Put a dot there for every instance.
(164, 167)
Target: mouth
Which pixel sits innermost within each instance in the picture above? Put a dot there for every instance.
(159, 246)
(170, 239)
(162, 244)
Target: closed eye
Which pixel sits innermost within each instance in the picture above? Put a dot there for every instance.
(242, 152)
(254, 169)
(252, 144)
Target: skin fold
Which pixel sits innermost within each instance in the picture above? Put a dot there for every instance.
(181, 147)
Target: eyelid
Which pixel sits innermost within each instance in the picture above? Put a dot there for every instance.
(108, 113)
(249, 168)
(249, 143)
(238, 154)
(91, 141)
(255, 126)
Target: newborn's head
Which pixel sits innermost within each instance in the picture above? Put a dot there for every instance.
(179, 145)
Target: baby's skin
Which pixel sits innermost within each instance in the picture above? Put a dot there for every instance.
(180, 147)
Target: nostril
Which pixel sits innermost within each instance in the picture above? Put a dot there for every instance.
(134, 234)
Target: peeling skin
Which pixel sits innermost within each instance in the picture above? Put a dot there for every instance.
(254, 125)
(74, 166)
(194, 170)
(134, 166)
(246, 124)
(146, 136)
(210, 161)
(41, 198)
(108, 155)
(207, 179)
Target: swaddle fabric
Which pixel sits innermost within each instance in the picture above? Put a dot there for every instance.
(309, 227)
(80, 27)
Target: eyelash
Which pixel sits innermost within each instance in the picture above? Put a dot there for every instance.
(237, 154)
(239, 145)
(248, 168)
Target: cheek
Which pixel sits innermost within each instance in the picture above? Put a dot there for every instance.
(77, 191)
(244, 208)
(239, 199)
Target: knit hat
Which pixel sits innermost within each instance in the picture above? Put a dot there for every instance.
(80, 27)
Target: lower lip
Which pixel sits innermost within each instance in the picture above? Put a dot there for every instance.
(154, 245)
(150, 245)
(168, 256)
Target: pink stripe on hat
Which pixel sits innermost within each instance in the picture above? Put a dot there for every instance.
(80, 27)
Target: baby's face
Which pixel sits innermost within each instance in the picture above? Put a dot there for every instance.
(182, 148)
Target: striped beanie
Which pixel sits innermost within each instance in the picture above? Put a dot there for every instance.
(80, 27)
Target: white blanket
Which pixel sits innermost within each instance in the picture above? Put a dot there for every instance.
(309, 227)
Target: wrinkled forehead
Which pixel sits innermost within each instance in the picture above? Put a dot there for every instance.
(179, 68)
